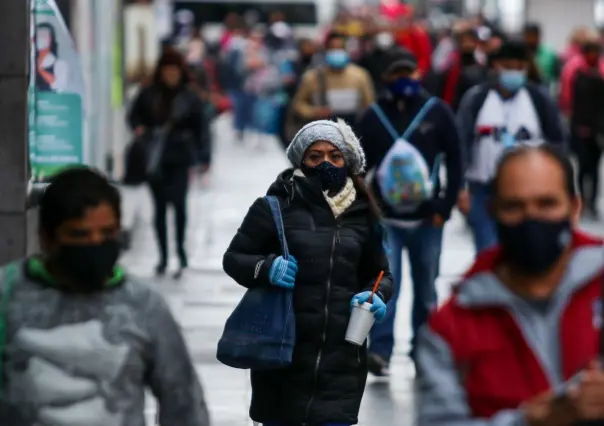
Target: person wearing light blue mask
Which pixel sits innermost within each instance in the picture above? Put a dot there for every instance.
(338, 89)
(337, 59)
(512, 80)
(494, 117)
(511, 66)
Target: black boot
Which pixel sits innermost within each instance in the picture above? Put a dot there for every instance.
(184, 263)
(160, 270)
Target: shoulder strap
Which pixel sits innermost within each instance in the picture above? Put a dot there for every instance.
(10, 275)
(479, 101)
(419, 117)
(322, 80)
(539, 102)
(381, 115)
(273, 202)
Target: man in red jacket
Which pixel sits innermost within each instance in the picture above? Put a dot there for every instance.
(516, 345)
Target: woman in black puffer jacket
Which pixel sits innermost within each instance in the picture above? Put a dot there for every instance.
(333, 233)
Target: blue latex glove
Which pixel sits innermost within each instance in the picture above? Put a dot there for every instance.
(378, 307)
(283, 272)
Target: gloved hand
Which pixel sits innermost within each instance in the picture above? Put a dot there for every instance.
(283, 272)
(378, 307)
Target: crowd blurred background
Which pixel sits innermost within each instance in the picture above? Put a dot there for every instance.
(253, 64)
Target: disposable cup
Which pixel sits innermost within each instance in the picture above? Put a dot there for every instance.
(360, 323)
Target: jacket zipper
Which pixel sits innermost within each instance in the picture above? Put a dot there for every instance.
(336, 238)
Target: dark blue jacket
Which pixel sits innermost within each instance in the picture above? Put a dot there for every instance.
(435, 136)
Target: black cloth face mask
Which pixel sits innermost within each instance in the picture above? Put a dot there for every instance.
(89, 266)
(332, 178)
(534, 245)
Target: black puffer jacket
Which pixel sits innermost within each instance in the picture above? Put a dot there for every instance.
(337, 259)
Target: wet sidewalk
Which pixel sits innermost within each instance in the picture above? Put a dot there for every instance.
(205, 297)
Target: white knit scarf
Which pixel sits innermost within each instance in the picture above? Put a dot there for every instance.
(340, 201)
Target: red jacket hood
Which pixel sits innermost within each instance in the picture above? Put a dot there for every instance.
(488, 259)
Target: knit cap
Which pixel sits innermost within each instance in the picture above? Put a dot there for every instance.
(339, 134)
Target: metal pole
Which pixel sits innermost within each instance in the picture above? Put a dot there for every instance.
(14, 79)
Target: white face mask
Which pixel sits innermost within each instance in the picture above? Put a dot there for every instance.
(384, 40)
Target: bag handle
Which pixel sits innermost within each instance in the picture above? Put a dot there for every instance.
(10, 274)
(273, 202)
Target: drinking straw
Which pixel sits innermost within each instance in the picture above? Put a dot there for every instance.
(376, 286)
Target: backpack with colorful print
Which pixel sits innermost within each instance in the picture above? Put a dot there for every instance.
(403, 176)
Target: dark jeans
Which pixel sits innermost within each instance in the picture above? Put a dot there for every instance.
(480, 219)
(424, 245)
(589, 154)
(172, 190)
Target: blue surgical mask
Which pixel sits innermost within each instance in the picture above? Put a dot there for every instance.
(337, 58)
(512, 80)
(405, 87)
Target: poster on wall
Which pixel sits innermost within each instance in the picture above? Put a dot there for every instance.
(56, 92)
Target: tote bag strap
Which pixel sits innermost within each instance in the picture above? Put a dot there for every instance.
(10, 275)
(273, 202)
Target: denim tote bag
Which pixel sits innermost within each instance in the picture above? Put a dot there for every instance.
(260, 333)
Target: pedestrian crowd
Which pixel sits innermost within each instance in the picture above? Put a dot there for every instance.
(388, 124)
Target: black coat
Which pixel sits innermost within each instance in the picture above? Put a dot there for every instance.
(337, 259)
(189, 138)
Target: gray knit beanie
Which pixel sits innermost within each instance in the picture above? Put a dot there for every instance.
(338, 134)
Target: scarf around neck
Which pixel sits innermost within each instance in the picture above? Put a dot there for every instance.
(339, 202)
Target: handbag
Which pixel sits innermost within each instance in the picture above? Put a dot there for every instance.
(260, 334)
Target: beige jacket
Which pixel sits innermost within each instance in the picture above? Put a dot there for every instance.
(349, 92)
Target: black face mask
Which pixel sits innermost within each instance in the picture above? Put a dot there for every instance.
(90, 266)
(332, 178)
(533, 246)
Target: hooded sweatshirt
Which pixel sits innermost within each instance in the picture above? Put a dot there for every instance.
(88, 358)
(487, 350)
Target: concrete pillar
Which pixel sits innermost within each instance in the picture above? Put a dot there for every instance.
(14, 79)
